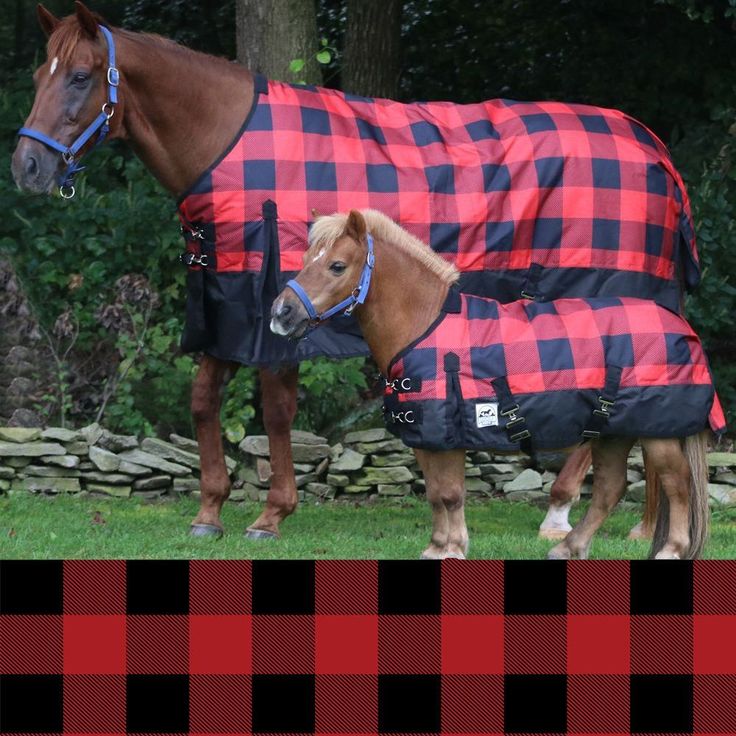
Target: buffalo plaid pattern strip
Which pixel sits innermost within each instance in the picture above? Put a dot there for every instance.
(498, 185)
(345, 647)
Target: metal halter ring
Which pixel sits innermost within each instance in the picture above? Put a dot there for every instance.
(112, 109)
(67, 191)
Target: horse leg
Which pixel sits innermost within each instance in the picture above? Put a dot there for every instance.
(444, 476)
(668, 462)
(609, 485)
(207, 392)
(278, 394)
(645, 528)
(565, 492)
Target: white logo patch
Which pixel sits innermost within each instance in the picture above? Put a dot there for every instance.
(54, 64)
(486, 415)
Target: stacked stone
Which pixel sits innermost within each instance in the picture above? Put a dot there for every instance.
(93, 460)
(373, 461)
(310, 454)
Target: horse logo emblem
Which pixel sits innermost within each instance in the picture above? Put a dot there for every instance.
(486, 415)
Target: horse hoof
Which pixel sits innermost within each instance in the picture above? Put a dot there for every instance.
(260, 534)
(205, 530)
(554, 535)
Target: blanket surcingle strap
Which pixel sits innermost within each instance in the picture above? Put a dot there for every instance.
(529, 375)
(539, 200)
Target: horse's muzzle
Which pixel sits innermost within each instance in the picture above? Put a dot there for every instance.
(34, 168)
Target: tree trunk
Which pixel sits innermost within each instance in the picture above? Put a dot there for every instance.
(372, 48)
(270, 35)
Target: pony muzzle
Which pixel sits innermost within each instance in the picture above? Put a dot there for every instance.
(289, 318)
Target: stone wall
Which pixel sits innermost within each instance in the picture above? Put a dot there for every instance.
(366, 465)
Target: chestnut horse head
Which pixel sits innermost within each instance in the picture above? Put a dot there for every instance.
(76, 94)
(335, 277)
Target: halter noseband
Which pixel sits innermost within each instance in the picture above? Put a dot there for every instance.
(357, 296)
(101, 123)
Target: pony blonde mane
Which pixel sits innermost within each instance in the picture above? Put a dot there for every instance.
(327, 230)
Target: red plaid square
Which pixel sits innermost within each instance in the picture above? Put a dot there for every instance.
(598, 645)
(346, 645)
(220, 645)
(219, 586)
(714, 645)
(346, 586)
(472, 587)
(472, 645)
(94, 645)
(94, 586)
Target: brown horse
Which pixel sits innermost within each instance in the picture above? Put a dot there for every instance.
(153, 113)
(400, 298)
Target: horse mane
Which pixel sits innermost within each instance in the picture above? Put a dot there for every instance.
(327, 230)
(63, 41)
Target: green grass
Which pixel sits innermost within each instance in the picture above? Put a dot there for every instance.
(67, 527)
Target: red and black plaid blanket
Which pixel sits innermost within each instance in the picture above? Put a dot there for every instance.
(541, 199)
(491, 375)
(344, 647)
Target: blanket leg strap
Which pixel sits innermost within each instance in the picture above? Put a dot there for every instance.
(515, 424)
(606, 400)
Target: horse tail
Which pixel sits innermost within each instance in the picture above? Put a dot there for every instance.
(651, 499)
(696, 446)
(699, 512)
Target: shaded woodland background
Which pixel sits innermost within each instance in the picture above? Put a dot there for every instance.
(91, 296)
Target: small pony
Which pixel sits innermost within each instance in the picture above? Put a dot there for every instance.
(465, 372)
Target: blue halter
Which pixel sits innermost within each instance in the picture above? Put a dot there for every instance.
(346, 306)
(101, 123)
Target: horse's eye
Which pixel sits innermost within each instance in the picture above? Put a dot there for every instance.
(80, 79)
(337, 267)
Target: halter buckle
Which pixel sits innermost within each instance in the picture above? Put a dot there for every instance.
(67, 157)
(113, 76)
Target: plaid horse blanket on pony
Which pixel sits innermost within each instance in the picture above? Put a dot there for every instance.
(503, 376)
(541, 200)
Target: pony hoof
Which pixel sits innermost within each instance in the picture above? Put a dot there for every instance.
(554, 535)
(260, 534)
(559, 553)
(639, 532)
(205, 530)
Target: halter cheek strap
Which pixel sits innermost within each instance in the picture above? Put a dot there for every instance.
(346, 306)
(101, 123)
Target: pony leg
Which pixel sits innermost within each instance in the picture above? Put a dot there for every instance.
(672, 537)
(444, 475)
(207, 392)
(565, 492)
(609, 485)
(278, 393)
(645, 528)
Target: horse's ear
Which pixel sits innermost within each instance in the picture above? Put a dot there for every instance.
(86, 19)
(47, 20)
(355, 226)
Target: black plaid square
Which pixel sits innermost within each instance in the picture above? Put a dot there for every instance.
(31, 587)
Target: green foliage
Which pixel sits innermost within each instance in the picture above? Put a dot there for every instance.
(238, 408)
(328, 389)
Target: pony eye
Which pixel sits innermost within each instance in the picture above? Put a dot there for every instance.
(337, 267)
(80, 79)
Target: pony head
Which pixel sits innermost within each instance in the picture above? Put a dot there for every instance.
(333, 264)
